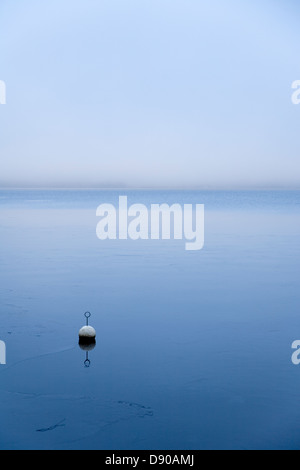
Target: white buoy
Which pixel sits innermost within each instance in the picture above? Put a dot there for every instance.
(87, 334)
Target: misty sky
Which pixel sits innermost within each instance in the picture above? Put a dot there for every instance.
(149, 93)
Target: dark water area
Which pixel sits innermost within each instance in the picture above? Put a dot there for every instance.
(193, 349)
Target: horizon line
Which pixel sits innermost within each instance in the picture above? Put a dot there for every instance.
(151, 188)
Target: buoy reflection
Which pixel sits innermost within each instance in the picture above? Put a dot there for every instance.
(87, 347)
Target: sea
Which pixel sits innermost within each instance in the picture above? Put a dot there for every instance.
(193, 348)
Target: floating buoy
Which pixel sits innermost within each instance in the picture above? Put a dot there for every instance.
(87, 334)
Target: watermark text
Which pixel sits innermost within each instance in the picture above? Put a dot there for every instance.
(296, 93)
(2, 353)
(2, 92)
(161, 221)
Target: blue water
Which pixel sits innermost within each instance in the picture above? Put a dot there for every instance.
(193, 348)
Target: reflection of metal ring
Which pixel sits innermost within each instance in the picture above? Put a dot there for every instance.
(87, 363)
(87, 314)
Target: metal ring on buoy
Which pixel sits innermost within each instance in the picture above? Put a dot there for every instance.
(87, 316)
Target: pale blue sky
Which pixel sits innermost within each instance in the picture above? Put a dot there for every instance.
(173, 93)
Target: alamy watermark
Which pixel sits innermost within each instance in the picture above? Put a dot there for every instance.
(2, 353)
(161, 221)
(296, 354)
(2, 92)
(296, 93)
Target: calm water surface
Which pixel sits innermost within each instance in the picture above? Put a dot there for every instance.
(193, 348)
